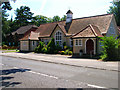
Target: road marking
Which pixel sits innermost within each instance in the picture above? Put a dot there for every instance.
(1, 64)
(95, 86)
(15, 67)
(43, 74)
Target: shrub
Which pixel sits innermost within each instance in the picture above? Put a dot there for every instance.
(64, 44)
(65, 47)
(66, 52)
(51, 46)
(39, 48)
(62, 52)
(58, 47)
(44, 49)
(4, 47)
(70, 53)
(110, 46)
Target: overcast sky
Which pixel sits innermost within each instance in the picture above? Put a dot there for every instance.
(50, 8)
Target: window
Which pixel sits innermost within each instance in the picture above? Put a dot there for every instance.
(58, 38)
(78, 42)
(33, 43)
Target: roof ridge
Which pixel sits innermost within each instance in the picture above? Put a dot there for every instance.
(53, 22)
(92, 16)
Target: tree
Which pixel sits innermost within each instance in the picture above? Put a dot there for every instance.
(115, 9)
(23, 16)
(5, 24)
(51, 46)
(110, 48)
(63, 18)
(56, 18)
(39, 19)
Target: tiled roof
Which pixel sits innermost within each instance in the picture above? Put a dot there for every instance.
(45, 30)
(31, 36)
(102, 22)
(89, 31)
(69, 11)
(24, 29)
(26, 37)
(34, 36)
(82, 27)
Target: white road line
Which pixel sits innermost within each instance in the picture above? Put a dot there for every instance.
(95, 86)
(1, 64)
(38, 73)
(43, 74)
(15, 67)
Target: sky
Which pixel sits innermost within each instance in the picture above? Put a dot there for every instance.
(50, 8)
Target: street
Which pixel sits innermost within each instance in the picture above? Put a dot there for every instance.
(23, 73)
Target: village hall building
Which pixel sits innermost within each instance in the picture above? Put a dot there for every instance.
(81, 33)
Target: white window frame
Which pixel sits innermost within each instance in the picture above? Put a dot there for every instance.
(57, 38)
(80, 42)
(77, 42)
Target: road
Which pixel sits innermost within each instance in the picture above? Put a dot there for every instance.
(23, 73)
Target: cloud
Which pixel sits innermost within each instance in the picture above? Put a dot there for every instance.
(43, 5)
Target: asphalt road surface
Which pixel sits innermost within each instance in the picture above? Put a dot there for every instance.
(23, 73)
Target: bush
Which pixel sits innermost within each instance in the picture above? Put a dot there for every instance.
(51, 46)
(39, 48)
(66, 52)
(65, 47)
(110, 46)
(64, 44)
(62, 52)
(4, 47)
(70, 53)
(58, 47)
(44, 49)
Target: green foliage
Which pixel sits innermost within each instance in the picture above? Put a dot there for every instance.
(58, 47)
(56, 18)
(23, 16)
(62, 52)
(6, 6)
(39, 48)
(44, 49)
(70, 53)
(64, 43)
(110, 48)
(115, 9)
(63, 18)
(51, 46)
(66, 52)
(4, 47)
(39, 19)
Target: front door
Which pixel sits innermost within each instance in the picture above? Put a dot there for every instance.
(90, 46)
